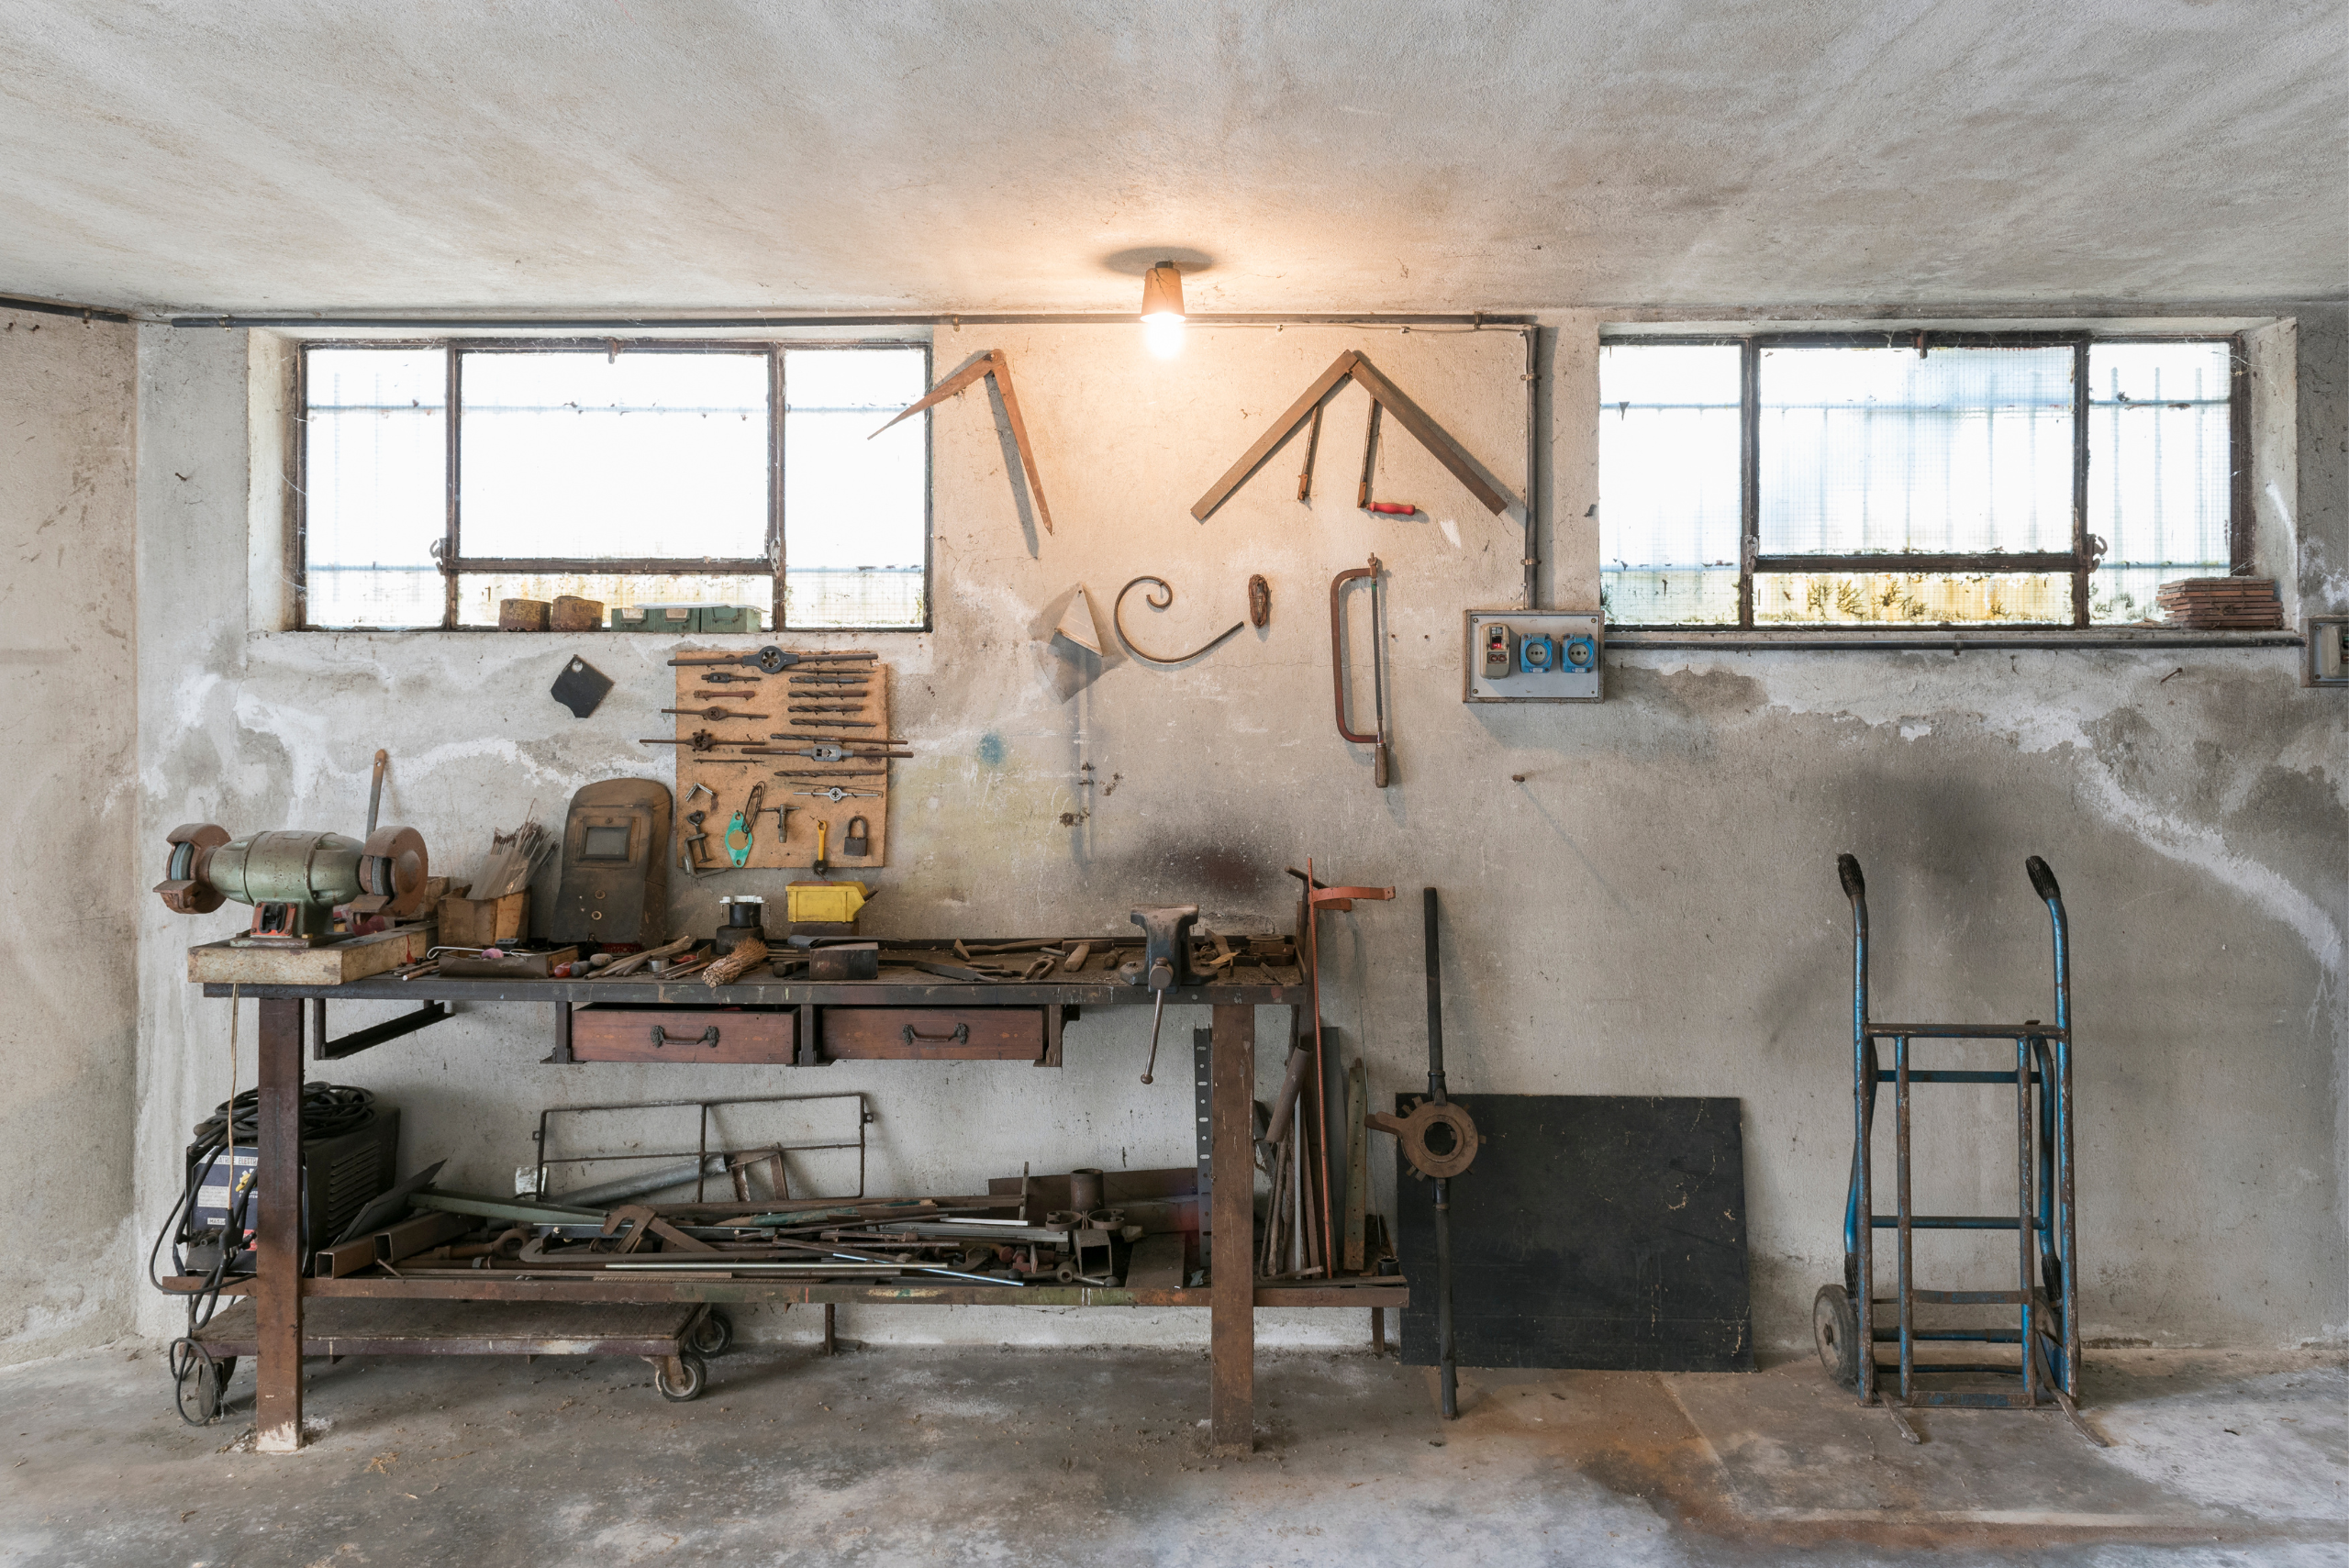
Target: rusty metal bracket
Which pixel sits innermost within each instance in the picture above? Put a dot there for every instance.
(1384, 395)
(994, 363)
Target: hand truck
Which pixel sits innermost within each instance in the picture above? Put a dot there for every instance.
(2047, 1334)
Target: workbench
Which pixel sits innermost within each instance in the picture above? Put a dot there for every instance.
(810, 1013)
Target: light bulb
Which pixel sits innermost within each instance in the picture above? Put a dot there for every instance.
(1162, 310)
(1164, 333)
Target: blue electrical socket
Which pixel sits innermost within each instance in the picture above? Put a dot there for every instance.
(1534, 653)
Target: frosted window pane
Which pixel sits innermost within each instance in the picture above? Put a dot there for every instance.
(1957, 450)
(855, 504)
(374, 473)
(2158, 484)
(581, 455)
(1669, 508)
(1910, 598)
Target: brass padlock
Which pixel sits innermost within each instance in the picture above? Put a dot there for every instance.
(858, 841)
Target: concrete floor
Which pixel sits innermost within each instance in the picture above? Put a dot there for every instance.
(948, 1456)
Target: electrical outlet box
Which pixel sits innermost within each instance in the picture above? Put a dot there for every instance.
(2328, 651)
(1534, 656)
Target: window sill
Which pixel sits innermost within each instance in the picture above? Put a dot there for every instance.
(1938, 640)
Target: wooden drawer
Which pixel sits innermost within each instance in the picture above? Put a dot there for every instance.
(959, 1034)
(615, 1033)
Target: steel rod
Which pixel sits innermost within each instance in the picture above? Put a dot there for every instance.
(1447, 1371)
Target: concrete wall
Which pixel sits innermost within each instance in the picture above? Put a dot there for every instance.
(68, 742)
(1641, 894)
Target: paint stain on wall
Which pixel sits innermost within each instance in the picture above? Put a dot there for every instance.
(991, 749)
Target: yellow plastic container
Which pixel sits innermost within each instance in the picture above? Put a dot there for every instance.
(837, 901)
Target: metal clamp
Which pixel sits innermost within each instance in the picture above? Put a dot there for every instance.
(661, 1039)
(962, 1035)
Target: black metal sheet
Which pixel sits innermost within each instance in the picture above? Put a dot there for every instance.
(581, 686)
(1594, 1231)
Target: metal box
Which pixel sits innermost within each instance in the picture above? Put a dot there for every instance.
(733, 620)
(1532, 656)
(675, 619)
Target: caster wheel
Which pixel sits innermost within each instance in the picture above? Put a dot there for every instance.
(697, 1375)
(1836, 1331)
(204, 1388)
(713, 1336)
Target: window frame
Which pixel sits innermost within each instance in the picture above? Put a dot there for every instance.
(2080, 563)
(447, 550)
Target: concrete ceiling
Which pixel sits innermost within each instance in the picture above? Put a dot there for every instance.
(1036, 154)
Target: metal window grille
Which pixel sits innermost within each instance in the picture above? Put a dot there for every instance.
(1915, 478)
(434, 479)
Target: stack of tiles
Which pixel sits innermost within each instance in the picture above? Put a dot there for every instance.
(2221, 603)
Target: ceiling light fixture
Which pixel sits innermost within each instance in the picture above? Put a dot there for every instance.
(1162, 310)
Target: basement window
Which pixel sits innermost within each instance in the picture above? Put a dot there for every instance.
(1915, 479)
(440, 479)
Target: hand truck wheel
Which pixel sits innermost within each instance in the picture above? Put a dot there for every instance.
(1835, 1329)
(713, 1336)
(697, 1375)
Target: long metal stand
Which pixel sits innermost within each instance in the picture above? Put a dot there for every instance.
(2046, 1297)
(1447, 1373)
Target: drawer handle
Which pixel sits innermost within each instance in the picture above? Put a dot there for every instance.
(961, 1036)
(709, 1037)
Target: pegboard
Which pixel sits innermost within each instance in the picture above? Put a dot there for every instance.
(791, 703)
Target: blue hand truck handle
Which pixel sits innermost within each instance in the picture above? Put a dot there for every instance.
(2042, 881)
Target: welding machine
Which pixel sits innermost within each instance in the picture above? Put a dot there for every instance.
(350, 1149)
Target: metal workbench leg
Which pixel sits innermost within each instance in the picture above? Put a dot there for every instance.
(277, 1359)
(1231, 1405)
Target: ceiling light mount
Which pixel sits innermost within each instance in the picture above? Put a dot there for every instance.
(1161, 309)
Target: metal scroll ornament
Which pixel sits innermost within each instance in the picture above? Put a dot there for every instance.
(1164, 596)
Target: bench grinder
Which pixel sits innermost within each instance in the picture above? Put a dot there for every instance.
(294, 879)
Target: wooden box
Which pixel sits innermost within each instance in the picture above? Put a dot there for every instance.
(485, 922)
(962, 1034)
(522, 615)
(617, 1032)
(572, 613)
(354, 958)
